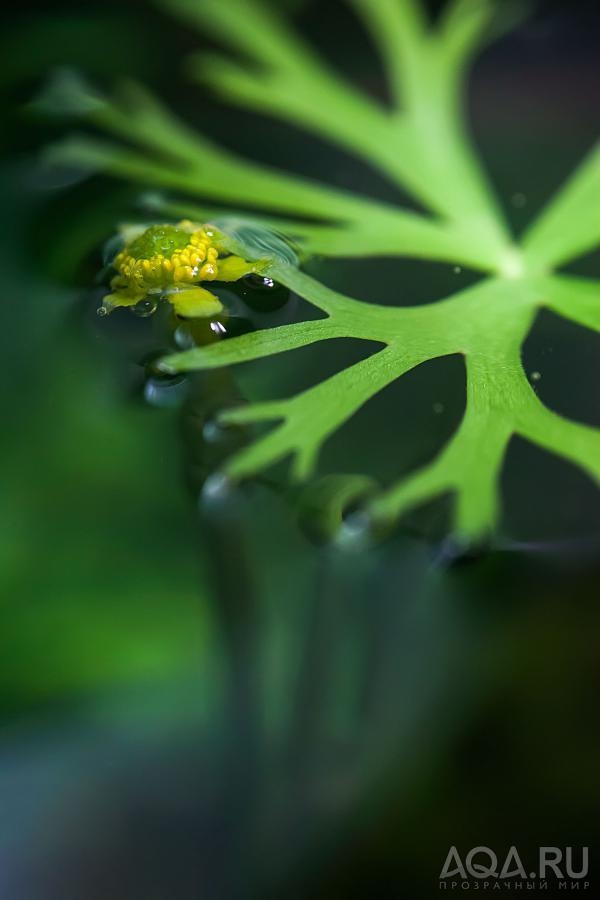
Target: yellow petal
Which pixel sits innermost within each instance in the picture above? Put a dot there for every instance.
(195, 302)
(121, 298)
(234, 267)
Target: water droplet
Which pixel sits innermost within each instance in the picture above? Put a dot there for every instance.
(212, 431)
(183, 339)
(165, 393)
(144, 308)
(518, 200)
(457, 270)
(356, 532)
(218, 328)
(162, 386)
(263, 294)
(535, 376)
(216, 489)
(438, 408)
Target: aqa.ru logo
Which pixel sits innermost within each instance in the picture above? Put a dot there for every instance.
(482, 863)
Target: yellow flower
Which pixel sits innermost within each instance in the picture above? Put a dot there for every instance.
(170, 262)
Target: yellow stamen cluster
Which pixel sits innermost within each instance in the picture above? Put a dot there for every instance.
(170, 262)
(196, 261)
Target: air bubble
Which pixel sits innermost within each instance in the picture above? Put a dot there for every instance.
(102, 311)
(535, 376)
(457, 270)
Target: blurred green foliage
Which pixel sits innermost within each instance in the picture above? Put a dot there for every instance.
(100, 583)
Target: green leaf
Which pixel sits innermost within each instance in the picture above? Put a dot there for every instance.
(570, 224)
(577, 299)
(422, 144)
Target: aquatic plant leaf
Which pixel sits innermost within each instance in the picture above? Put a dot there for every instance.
(422, 144)
(501, 402)
(577, 299)
(570, 224)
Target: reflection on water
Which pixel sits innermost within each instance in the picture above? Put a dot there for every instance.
(582, 551)
(233, 798)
